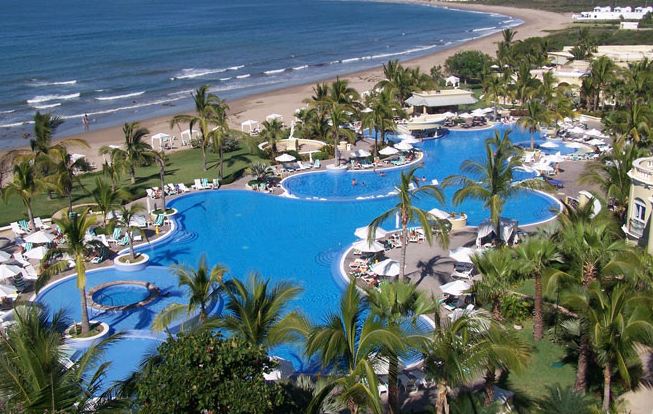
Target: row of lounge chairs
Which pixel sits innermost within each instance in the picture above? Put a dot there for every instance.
(22, 227)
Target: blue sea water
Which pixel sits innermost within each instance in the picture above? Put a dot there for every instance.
(127, 60)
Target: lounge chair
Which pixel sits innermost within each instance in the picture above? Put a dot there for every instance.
(39, 223)
(17, 230)
(115, 236)
(198, 184)
(150, 193)
(124, 241)
(183, 187)
(24, 225)
(316, 164)
(160, 219)
(216, 183)
(19, 282)
(206, 185)
(28, 246)
(463, 271)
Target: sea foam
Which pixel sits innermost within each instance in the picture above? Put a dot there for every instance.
(111, 98)
(46, 98)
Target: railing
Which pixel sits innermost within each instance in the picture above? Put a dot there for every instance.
(636, 227)
(643, 169)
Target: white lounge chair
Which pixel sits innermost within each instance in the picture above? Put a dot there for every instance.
(183, 187)
(16, 229)
(198, 184)
(40, 224)
(150, 193)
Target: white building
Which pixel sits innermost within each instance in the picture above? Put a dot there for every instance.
(608, 13)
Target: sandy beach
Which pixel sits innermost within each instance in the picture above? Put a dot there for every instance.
(285, 101)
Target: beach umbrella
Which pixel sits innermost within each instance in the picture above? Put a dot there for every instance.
(594, 133)
(455, 288)
(8, 270)
(462, 254)
(285, 158)
(549, 144)
(4, 256)
(403, 146)
(410, 140)
(36, 253)
(366, 247)
(387, 267)
(478, 112)
(557, 157)
(595, 141)
(465, 115)
(448, 114)
(388, 151)
(40, 236)
(577, 130)
(363, 232)
(360, 153)
(8, 291)
(574, 145)
(442, 215)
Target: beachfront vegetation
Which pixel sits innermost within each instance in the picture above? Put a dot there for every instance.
(468, 65)
(133, 153)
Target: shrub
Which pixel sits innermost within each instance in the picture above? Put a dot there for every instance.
(468, 64)
(515, 308)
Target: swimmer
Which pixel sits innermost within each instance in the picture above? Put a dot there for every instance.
(353, 182)
(382, 174)
(423, 179)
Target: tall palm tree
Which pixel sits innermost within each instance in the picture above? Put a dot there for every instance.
(536, 116)
(536, 256)
(494, 89)
(618, 321)
(210, 111)
(602, 72)
(340, 92)
(456, 353)
(491, 180)
(134, 150)
(159, 158)
(74, 227)
(63, 178)
(350, 344)
(385, 107)
(106, 198)
(272, 133)
(127, 216)
(338, 116)
(407, 192)
(25, 185)
(34, 377)
(256, 311)
(396, 303)
(498, 270)
(112, 170)
(202, 285)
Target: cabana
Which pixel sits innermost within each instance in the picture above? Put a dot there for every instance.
(487, 232)
(272, 117)
(453, 81)
(250, 124)
(161, 138)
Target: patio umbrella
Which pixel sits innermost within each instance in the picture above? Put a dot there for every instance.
(285, 158)
(478, 112)
(462, 254)
(577, 130)
(448, 114)
(442, 215)
(465, 115)
(595, 141)
(366, 247)
(410, 140)
(362, 232)
(574, 145)
(40, 236)
(36, 253)
(388, 151)
(388, 267)
(594, 133)
(7, 270)
(403, 146)
(549, 144)
(4, 256)
(360, 153)
(455, 288)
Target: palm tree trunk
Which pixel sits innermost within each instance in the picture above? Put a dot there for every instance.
(70, 202)
(393, 388)
(607, 386)
(538, 323)
(441, 403)
(203, 315)
(30, 214)
(532, 139)
(335, 148)
(221, 162)
(490, 379)
(496, 309)
(163, 192)
(132, 174)
(85, 322)
(204, 157)
(382, 135)
(376, 144)
(131, 246)
(404, 244)
(583, 361)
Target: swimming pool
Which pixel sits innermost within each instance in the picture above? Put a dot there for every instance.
(284, 239)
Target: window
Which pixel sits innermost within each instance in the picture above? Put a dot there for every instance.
(640, 210)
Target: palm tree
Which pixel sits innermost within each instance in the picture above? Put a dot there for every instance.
(134, 150)
(107, 199)
(272, 132)
(255, 311)
(537, 115)
(202, 286)
(63, 178)
(33, 375)
(350, 344)
(610, 173)
(395, 303)
(127, 216)
(25, 185)
(494, 88)
(491, 180)
(159, 158)
(456, 353)
(340, 92)
(385, 107)
(535, 257)
(112, 170)
(563, 400)
(618, 321)
(210, 111)
(73, 227)
(498, 270)
(260, 170)
(408, 213)
(338, 115)
(602, 72)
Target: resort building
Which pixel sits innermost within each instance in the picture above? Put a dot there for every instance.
(434, 102)
(621, 54)
(571, 74)
(608, 13)
(640, 205)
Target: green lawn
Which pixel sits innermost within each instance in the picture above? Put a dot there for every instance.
(182, 167)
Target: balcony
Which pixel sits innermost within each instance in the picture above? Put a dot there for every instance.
(642, 170)
(636, 227)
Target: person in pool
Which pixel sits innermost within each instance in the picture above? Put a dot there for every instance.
(381, 173)
(353, 182)
(423, 178)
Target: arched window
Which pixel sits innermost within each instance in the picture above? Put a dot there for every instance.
(639, 211)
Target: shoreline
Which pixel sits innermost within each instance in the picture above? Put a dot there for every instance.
(286, 99)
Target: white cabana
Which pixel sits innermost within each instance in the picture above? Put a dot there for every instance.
(360, 153)
(363, 232)
(456, 288)
(161, 138)
(250, 124)
(439, 214)
(4, 256)
(542, 168)
(388, 151)
(507, 228)
(462, 254)
(387, 267)
(8, 270)
(40, 236)
(549, 144)
(36, 253)
(285, 158)
(272, 117)
(555, 158)
(366, 247)
(403, 146)
(453, 81)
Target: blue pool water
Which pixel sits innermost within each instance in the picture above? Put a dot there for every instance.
(284, 239)
(121, 295)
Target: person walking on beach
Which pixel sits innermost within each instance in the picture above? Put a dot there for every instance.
(85, 122)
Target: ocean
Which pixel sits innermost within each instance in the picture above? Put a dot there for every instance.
(125, 60)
